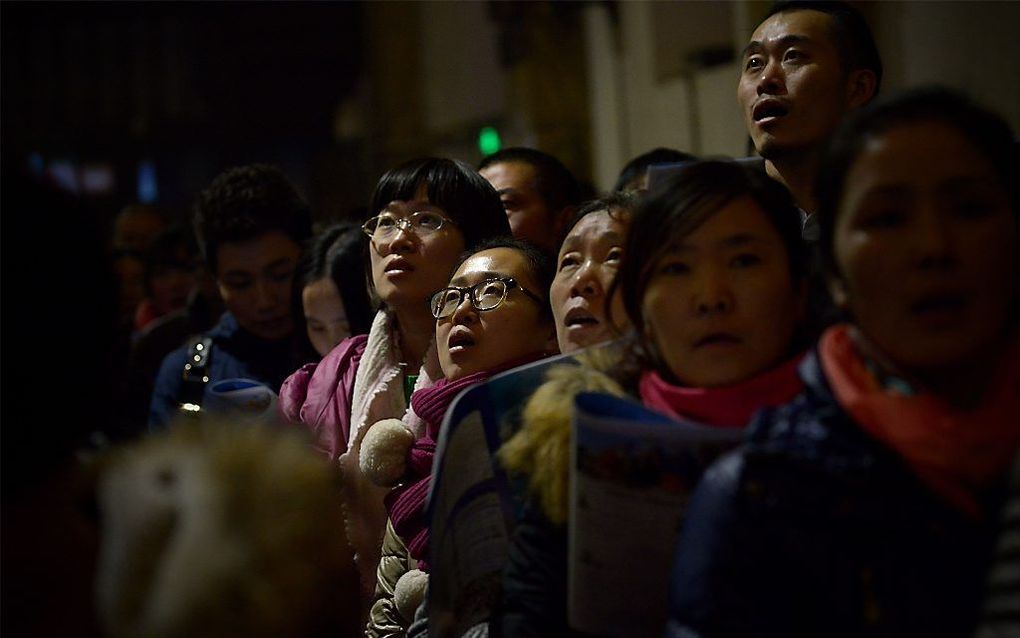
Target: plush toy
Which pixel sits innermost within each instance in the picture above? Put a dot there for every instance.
(384, 452)
(409, 592)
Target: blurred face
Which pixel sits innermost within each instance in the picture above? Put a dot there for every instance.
(926, 246)
(793, 90)
(170, 287)
(528, 213)
(255, 278)
(408, 267)
(720, 306)
(325, 317)
(471, 341)
(587, 264)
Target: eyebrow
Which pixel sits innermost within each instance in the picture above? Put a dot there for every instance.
(488, 274)
(733, 241)
(756, 46)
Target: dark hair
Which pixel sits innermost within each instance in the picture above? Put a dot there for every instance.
(338, 253)
(452, 185)
(540, 265)
(620, 205)
(985, 130)
(247, 202)
(853, 38)
(638, 166)
(680, 206)
(553, 181)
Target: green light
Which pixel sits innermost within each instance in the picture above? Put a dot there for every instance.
(488, 141)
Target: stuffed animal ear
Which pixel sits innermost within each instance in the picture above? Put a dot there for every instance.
(384, 452)
(409, 592)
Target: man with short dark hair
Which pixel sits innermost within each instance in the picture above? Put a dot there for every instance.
(807, 64)
(538, 193)
(250, 223)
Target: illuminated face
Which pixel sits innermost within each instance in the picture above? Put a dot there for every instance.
(408, 267)
(720, 306)
(587, 264)
(926, 247)
(255, 278)
(325, 316)
(793, 89)
(527, 211)
(472, 340)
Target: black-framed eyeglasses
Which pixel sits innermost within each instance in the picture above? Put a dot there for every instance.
(385, 226)
(485, 295)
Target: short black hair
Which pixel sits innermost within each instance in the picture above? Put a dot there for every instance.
(988, 132)
(247, 202)
(853, 37)
(338, 253)
(619, 204)
(553, 181)
(638, 166)
(540, 265)
(451, 185)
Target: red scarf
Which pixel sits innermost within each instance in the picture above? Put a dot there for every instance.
(956, 453)
(406, 503)
(730, 406)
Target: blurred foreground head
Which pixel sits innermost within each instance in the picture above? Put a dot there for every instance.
(213, 530)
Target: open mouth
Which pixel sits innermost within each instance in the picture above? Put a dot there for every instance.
(717, 339)
(580, 318)
(769, 109)
(399, 265)
(459, 340)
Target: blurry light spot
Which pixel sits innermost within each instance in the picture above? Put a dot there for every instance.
(148, 190)
(489, 141)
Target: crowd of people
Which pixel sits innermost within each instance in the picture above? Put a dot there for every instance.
(846, 301)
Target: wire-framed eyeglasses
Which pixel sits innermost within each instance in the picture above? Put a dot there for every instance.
(421, 223)
(485, 295)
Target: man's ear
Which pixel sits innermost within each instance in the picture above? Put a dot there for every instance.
(860, 87)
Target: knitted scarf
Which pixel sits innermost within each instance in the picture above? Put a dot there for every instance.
(957, 454)
(406, 503)
(729, 406)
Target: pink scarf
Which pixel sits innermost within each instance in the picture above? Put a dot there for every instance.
(406, 503)
(730, 406)
(957, 454)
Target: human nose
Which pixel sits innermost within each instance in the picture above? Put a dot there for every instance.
(586, 281)
(465, 310)
(772, 79)
(402, 238)
(713, 293)
(933, 238)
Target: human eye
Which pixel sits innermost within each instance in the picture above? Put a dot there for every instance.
(884, 218)
(754, 63)
(745, 260)
(238, 283)
(615, 254)
(428, 221)
(569, 260)
(385, 222)
(488, 289)
(282, 274)
(673, 267)
(794, 55)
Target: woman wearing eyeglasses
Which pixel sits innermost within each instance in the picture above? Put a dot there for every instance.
(425, 213)
(493, 315)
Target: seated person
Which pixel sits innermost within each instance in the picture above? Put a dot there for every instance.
(493, 316)
(250, 223)
(867, 506)
(713, 284)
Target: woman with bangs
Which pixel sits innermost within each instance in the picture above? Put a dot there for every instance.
(713, 283)
(425, 213)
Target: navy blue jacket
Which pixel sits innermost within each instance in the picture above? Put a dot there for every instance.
(812, 528)
(235, 353)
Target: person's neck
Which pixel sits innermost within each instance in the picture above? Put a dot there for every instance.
(797, 173)
(417, 330)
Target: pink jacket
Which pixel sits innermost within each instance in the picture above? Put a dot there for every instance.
(319, 395)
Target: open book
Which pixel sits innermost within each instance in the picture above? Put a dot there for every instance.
(473, 506)
(631, 473)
